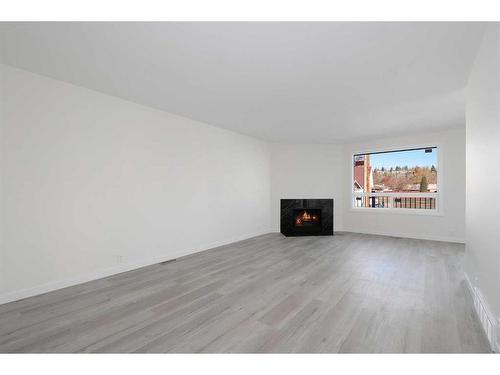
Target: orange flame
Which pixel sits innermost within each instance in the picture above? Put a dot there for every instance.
(305, 217)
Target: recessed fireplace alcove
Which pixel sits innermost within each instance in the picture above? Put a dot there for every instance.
(307, 217)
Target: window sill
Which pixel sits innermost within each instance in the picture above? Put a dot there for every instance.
(398, 211)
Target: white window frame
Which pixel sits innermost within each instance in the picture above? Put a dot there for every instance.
(438, 211)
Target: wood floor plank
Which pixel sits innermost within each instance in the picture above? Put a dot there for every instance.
(353, 293)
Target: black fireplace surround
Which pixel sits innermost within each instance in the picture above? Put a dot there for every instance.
(307, 217)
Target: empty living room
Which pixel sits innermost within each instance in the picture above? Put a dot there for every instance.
(249, 187)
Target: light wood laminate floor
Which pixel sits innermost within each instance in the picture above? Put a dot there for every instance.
(347, 293)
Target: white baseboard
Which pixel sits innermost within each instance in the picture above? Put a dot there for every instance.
(490, 324)
(401, 235)
(80, 279)
(413, 236)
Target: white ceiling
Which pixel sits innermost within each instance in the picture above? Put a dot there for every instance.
(289, 82)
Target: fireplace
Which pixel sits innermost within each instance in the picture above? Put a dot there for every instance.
(307, 217)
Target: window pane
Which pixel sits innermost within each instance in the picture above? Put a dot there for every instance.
(388, 179)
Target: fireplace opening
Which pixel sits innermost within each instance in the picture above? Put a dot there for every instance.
(310, 217)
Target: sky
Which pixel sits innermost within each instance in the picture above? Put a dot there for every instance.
(402, 158)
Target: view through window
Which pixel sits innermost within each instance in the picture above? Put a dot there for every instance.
(403, 179)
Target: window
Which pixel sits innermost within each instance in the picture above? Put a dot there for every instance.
(402, 180)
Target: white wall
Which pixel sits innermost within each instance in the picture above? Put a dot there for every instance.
(450, 225)
(92, 185)
(320, 171)
(483, 171)
(305, 171)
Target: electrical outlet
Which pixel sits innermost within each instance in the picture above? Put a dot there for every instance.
(119, 259)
